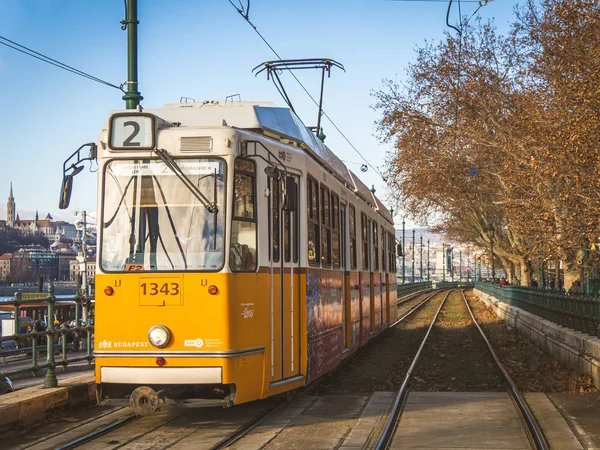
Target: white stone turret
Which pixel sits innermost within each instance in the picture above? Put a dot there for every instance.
(10, 209)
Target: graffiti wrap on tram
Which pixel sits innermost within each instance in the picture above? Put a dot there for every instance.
(355, 309)
(324, 320)
(379, 302)
(365, 307)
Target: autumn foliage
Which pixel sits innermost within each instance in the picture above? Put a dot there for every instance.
(502, 132)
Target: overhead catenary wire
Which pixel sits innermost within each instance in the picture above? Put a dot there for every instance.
(29, 52)
(247, 19)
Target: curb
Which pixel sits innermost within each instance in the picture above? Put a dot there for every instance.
(29, 406)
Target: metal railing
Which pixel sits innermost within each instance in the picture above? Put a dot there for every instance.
(453, 284)
(578, 312)
(53, 339)
(409, 288)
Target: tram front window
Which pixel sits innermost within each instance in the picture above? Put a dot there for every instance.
(151, 221)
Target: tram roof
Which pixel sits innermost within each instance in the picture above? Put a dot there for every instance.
(267, 117)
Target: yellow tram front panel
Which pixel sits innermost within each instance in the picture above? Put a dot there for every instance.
(228, 328)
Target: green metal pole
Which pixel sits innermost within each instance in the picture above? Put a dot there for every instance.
(452, 263)
(132, 97)
(586, 274)
(443, 262)
(427, 259)
(50, 381)
(541, 265)
(421, 261)
(468, 269)
(413, 257)
(403, 255)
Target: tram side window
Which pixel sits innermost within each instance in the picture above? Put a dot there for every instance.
(352, 225)
(384, 252)
(314, 247)
(335, 230)
(375, 248)
(325, 227)
(242, 252)
(290, 233)
(364, 233)
(392, 253)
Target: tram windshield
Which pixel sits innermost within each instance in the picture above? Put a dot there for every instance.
(151, 221)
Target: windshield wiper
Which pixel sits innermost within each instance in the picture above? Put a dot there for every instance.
(168, 160)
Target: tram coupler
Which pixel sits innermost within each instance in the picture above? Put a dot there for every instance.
(145, 400)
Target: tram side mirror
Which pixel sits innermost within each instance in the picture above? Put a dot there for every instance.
(399, 249)
(65, 192)
(290, 203)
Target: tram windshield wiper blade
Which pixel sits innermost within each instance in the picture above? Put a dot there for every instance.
(168, 160)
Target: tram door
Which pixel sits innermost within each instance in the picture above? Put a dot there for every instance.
(284, 286)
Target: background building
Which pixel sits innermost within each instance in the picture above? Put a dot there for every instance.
(29, 263)
(5, 267)
(53, 230)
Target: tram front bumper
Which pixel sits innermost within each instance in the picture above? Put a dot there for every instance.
(235, 380)
(161, 375)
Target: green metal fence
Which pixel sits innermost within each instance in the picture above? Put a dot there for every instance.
(54, 339)
(409, 288)
(579, 312)
(453, 284)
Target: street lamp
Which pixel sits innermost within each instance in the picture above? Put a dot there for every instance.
(491, 231)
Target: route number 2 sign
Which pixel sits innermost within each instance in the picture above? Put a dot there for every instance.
(131, 132)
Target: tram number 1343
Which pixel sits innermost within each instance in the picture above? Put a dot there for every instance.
(157, 289)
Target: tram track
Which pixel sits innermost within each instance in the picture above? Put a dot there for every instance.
(246, 428)
(100, 432)
(525, 413)
(119, 428)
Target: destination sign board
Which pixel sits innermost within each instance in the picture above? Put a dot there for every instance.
(152, 168)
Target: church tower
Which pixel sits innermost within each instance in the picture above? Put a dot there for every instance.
(10, 209)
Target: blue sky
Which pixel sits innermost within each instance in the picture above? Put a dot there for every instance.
(199, 49)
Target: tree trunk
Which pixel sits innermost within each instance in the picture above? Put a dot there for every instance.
(559, 282)
(526, 271)
(573, 278)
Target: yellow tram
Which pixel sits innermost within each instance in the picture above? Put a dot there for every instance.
(238, 258)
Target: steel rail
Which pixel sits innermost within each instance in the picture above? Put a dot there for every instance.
(246, 427)
(414, 308)
(96, 434)
(412, 296)
(392, 422)
(534, 428)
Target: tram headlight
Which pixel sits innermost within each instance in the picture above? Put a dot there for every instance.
(159, 336)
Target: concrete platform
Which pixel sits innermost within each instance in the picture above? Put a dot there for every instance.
(472, 420)
(32, 405)
(582, 412)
